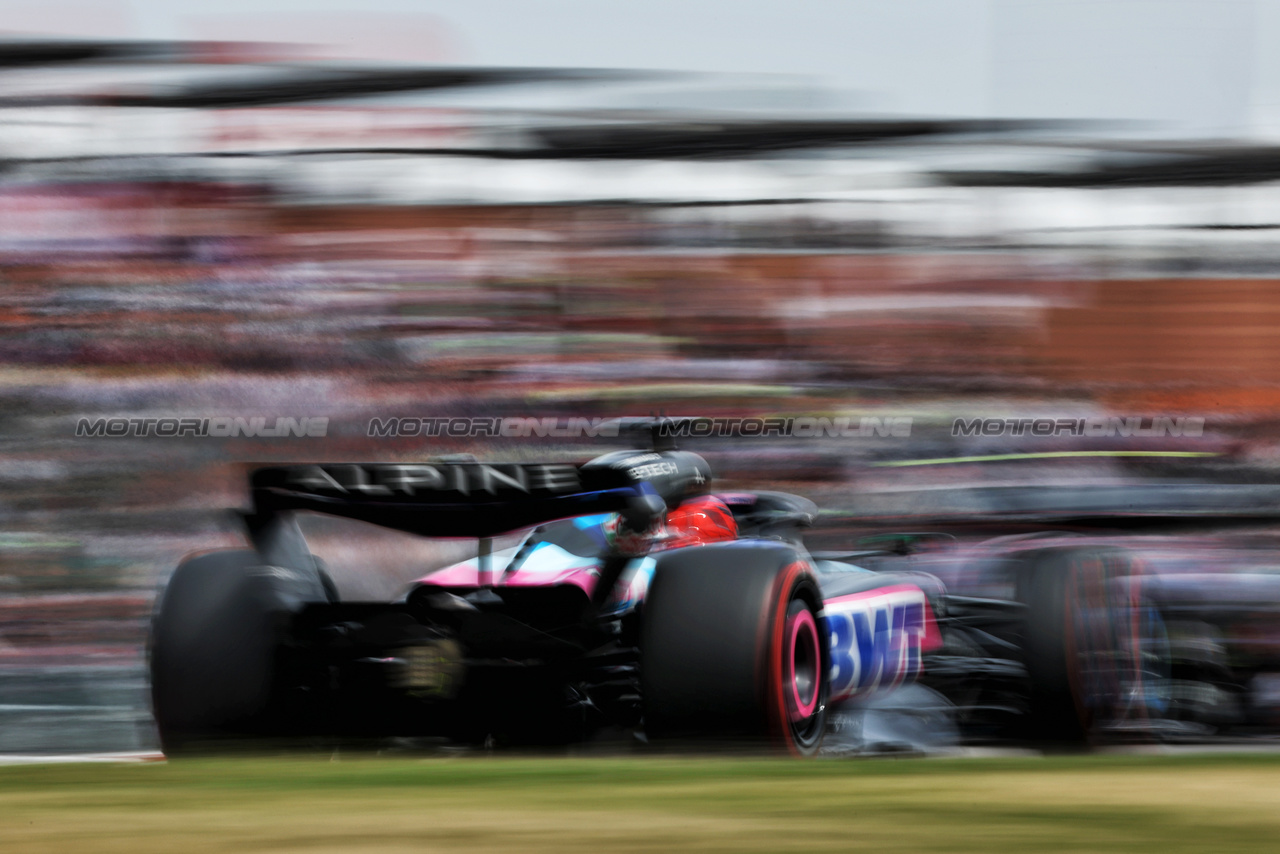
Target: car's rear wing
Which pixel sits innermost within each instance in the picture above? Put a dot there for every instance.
(473, 499)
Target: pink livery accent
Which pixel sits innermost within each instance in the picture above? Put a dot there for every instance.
(468, 575)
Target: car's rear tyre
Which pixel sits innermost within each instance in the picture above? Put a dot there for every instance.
(215, 656)
(1094, 648)
(732, 649)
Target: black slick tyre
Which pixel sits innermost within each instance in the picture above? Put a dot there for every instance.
(732, 649)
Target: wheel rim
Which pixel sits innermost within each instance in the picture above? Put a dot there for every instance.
(800, 686)
(803, 667)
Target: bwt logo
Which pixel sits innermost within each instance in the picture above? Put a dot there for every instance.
(875, 640)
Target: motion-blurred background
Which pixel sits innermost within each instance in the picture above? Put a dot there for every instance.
(994, 209)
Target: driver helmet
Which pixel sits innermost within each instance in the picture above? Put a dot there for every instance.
(697, 521)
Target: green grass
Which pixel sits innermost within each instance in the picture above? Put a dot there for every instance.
(315, 804)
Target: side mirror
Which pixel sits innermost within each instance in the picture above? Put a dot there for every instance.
(643, 512)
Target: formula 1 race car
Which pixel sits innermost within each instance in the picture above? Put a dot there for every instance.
(640, 601)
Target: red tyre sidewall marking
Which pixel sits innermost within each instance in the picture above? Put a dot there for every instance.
(775, 696)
